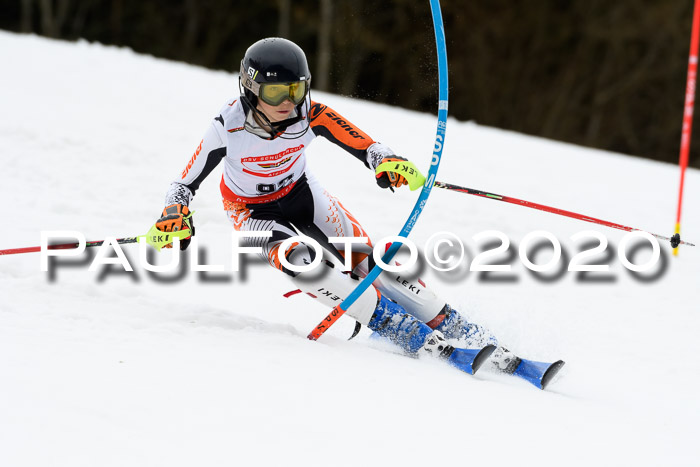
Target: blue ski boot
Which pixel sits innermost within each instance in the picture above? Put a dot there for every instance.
(455, 326)
(391, 321)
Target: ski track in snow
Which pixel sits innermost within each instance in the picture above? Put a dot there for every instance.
(127, 369)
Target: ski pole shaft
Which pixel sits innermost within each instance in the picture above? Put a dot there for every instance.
(64, 246)
(327, 322)
(561, 212)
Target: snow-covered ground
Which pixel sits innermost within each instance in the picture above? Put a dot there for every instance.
(129, 369)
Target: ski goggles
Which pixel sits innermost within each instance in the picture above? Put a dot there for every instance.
(276, 93)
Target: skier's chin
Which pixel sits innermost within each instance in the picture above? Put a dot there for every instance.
(280, 116)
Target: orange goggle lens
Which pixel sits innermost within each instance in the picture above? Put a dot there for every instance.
(275, 94)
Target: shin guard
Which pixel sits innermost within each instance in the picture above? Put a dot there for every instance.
(333, 287)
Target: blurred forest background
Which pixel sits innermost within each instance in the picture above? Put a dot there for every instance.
(604, 74)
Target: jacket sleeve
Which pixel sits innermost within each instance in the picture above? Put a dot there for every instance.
(326, 122)
(206, 157)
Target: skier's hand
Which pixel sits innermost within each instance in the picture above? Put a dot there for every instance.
(390, 179)
(174, 218)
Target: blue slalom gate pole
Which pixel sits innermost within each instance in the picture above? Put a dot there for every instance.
(340, 309)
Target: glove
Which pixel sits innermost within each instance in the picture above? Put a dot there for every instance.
(390, 179)
(173, 220)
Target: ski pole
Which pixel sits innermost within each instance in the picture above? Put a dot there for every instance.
(675, 239)
(156, 238)
(64, 246)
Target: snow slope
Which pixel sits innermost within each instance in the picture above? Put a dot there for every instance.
(131, 369)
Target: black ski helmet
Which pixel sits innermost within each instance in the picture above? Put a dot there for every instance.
(272, 60)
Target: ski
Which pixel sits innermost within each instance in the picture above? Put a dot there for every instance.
(539, 374)
(470, 360)
(466, 360)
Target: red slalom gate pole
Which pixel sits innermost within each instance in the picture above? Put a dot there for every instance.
(688, 111)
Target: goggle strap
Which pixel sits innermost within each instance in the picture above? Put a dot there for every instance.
(249, 82)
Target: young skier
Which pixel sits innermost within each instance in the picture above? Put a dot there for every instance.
(262, 136)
